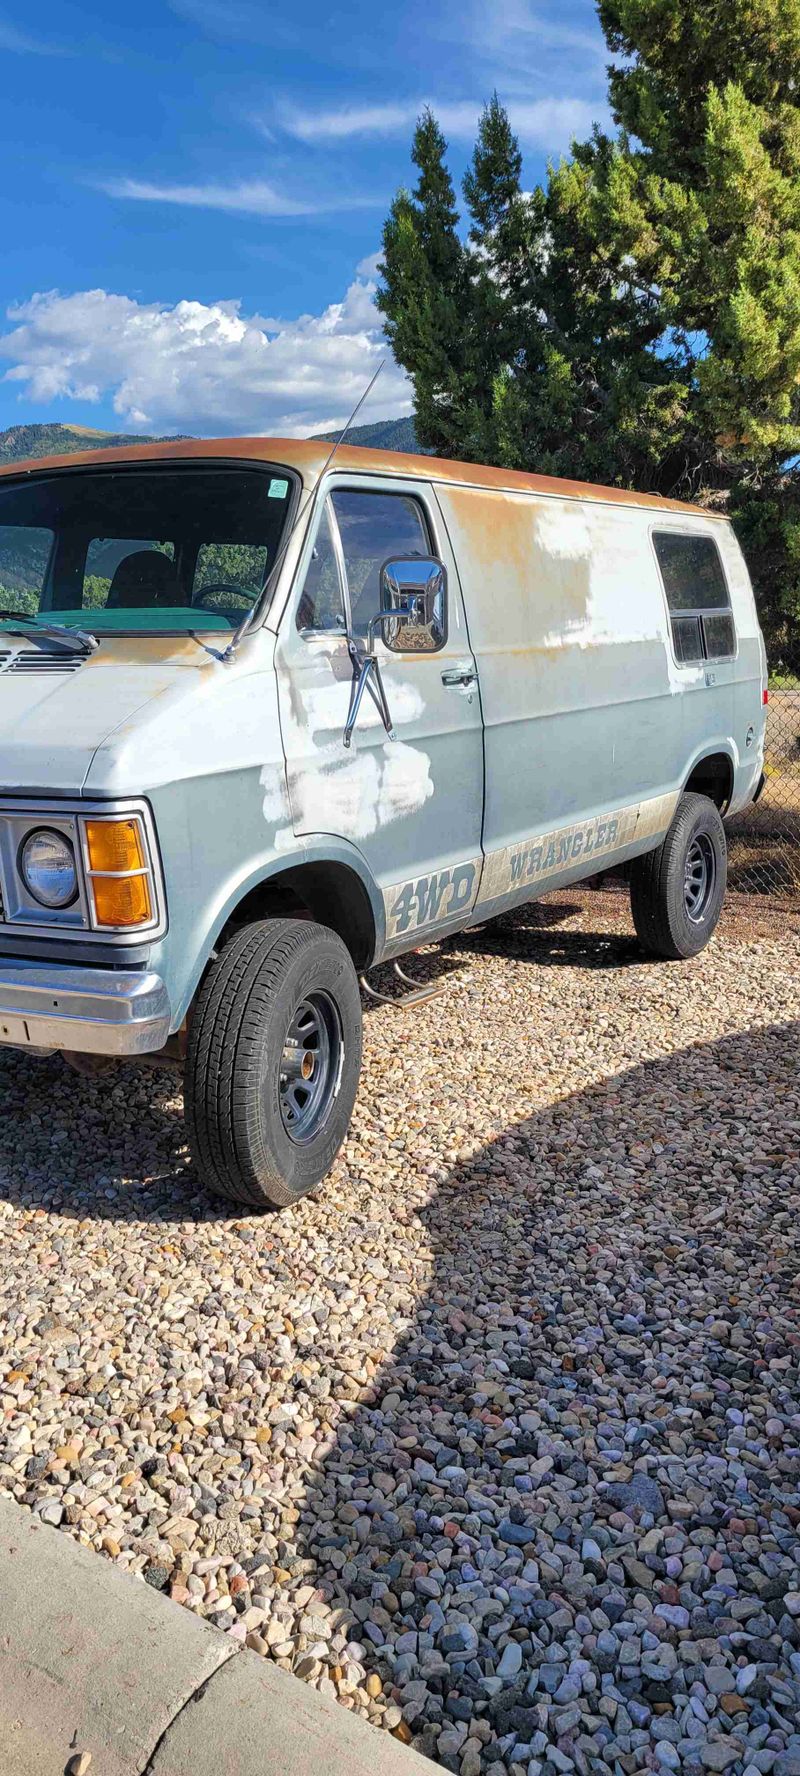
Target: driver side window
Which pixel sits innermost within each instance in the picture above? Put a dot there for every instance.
(321, 607)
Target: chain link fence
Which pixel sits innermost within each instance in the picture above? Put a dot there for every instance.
(764, 841)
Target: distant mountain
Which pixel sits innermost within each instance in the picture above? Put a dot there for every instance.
(385, 434)
(21, 441)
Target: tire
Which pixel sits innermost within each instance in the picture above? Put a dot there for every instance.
(678, 890)
(251, 1044)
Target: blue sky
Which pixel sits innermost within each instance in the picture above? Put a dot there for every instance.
(194, 192)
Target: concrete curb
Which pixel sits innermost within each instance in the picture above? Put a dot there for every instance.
(94, 1660)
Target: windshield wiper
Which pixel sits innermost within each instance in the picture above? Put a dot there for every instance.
(73, 641)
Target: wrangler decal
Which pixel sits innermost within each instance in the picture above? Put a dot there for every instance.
(429, 900)
(560, 850)
(538, 860)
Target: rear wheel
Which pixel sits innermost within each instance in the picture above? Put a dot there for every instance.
(678, 890)
(273, 1062)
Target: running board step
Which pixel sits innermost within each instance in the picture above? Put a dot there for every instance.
(415, 996)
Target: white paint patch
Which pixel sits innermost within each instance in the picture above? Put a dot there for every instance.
(355, 793)
(326, 706)
(562, 529)
(406, 779)
(356, 796)
(275, 805)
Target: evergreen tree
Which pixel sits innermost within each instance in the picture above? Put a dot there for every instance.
(424, 296)
(709, 95)
(637, 318)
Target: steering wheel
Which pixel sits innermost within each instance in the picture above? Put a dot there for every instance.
(227, 588)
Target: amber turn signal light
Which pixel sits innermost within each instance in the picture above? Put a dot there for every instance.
(121, 900)
(118, 873)
(114, 845)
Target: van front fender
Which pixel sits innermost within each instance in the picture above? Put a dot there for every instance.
(185, 953)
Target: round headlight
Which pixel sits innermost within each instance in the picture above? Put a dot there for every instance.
(47, 867)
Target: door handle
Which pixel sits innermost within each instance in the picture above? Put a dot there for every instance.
(459, 675)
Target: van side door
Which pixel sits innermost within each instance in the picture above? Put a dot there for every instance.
(581, 727)
(412, 805)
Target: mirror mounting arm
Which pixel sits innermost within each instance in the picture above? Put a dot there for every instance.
(367, 671)
(366, 677)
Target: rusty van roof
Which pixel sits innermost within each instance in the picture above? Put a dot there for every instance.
(308, 457)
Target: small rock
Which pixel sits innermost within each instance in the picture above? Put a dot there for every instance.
(518, 1534)
(641, 1493)
(731, 1703)
(717, 1754)
(511, 1661)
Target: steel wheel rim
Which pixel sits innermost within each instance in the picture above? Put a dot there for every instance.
(310, 1067)
(700, 875)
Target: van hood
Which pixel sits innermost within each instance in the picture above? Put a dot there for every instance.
(54, 713)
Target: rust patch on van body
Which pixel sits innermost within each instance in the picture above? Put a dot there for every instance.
(308, 457)
(531, 559)
(150, 650)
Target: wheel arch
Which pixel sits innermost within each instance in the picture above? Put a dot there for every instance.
(328, 882)
(713, 775)
(324, 889)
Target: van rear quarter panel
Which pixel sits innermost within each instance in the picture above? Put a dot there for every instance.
(585, 709)
(748, 672)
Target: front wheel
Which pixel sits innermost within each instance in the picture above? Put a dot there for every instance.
(273, 1062)
(678, 890)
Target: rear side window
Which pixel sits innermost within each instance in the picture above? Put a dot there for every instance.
(697, 595)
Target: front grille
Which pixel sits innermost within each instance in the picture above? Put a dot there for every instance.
(32, 661)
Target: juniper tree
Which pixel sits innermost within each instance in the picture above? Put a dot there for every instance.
(637, 317)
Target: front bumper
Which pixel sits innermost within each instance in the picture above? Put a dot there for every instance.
(87, 1010)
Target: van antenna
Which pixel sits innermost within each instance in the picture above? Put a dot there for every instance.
(244, 626)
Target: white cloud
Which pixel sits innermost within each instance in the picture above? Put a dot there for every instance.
(221, 18)
(549, 124)
(501, 28)
(338, 125)
(368, 267)
(252, 197)
(204, 368)
(21, 43)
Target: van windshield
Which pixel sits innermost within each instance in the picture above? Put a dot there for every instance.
(144, 550)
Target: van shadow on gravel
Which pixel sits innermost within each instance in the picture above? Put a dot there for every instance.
(608, 1348)
(534, 933)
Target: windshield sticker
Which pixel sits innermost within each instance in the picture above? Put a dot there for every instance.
(278, 489)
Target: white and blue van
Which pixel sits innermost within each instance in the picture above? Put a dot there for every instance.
(270, 717)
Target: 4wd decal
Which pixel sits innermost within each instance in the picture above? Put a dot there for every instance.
(430, 900)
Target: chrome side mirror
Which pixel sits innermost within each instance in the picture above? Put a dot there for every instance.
(413, 619)
(413, 613)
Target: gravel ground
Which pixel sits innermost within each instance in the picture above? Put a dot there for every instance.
(498, 1439)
